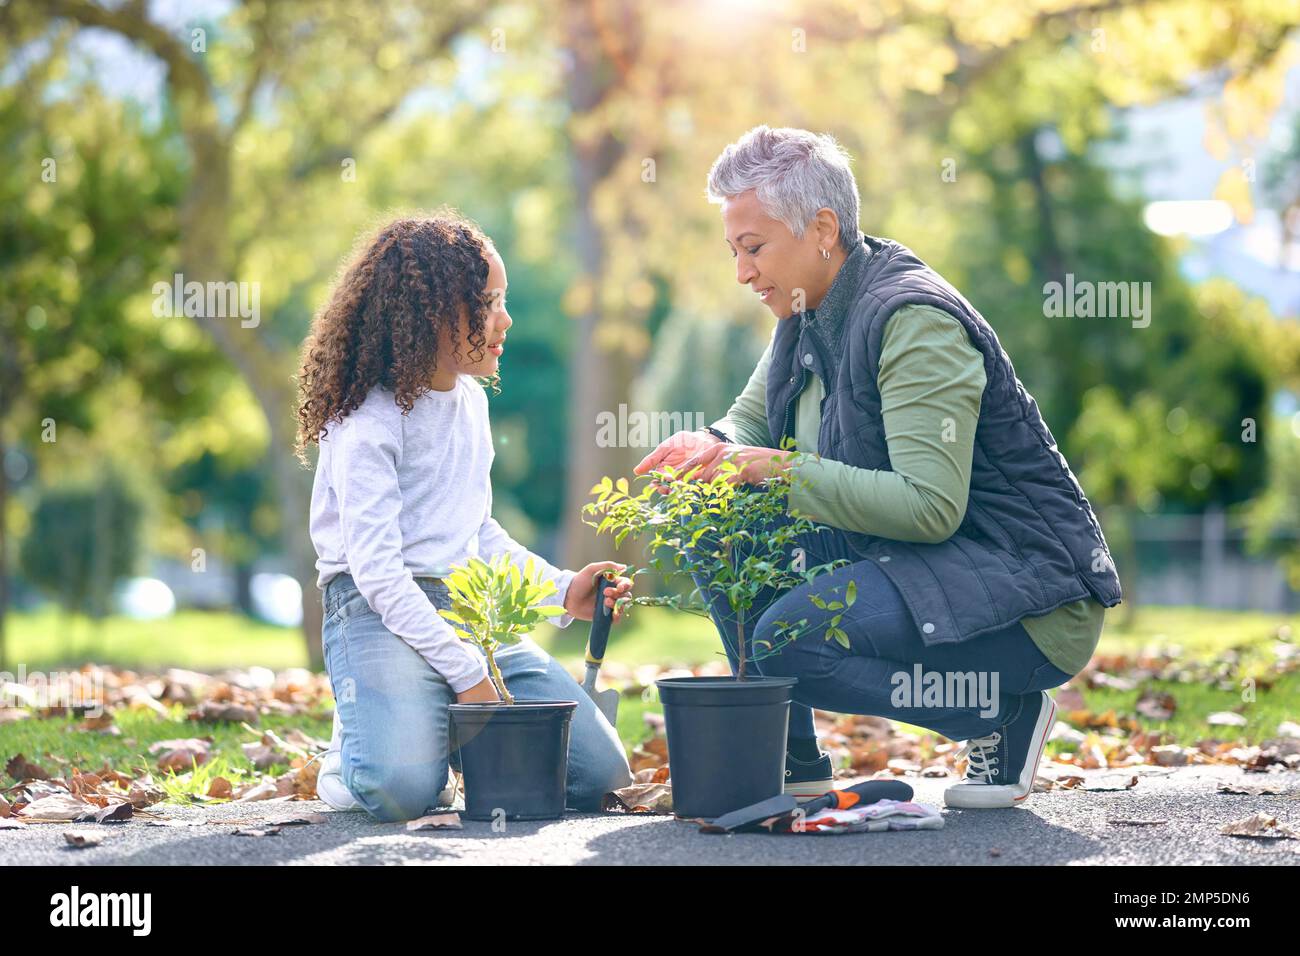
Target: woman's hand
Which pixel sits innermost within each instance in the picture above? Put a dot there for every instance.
(484, 692)
(581, 597)
(756, 464)
(675, 449)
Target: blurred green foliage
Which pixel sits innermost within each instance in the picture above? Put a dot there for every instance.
(82, 540)
(579, 135)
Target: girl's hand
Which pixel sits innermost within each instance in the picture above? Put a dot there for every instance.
(484, 692)
(581, 597)
(756, 464)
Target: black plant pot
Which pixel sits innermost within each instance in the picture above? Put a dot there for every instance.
(515, 757)
(726, 741)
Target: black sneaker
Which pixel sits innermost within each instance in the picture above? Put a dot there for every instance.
(806, 779)
(1000, 768)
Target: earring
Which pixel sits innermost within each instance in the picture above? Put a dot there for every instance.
(826, 253)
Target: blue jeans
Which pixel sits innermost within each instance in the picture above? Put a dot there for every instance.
(883, 644)
(393, 708)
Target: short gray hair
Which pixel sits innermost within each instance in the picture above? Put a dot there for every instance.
(794, 173)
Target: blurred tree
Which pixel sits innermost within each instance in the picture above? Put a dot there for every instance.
(330, 75)
(87, 187)
(84, 540)
(915, 90)
(293, 122)
(1273, 519)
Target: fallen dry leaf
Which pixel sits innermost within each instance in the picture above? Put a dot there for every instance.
(114, 813)
(83, 838)
(1170, 755)
(299, 820)
(1261, 826)
(436, 821)
(213, 711)
(1226, 718)
(20, 768)
(643, 798)
(265, 790)
(1249, 790)
(1137, 823)
(256, 831)
(64, 807)
(1110, 782)
(163, 822)
(1070, 698)
(1156, 705)
(181, 754)
(103, 724)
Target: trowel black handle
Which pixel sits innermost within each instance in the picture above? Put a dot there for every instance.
(601, 618)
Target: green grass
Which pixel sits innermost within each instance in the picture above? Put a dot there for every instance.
(128, 752)
(1197, 701)
(199, 640)
(660, 636)
(210, 641)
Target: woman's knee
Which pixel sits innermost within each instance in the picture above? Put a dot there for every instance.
(777, 654)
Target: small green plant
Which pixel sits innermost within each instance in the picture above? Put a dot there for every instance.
(193, 785)
(735, 536)
(495, 604)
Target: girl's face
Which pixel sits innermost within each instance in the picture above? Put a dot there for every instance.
(494, 331)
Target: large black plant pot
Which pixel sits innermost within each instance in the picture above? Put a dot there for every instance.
(726, 741)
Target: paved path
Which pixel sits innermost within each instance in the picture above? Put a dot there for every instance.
(1057, 827)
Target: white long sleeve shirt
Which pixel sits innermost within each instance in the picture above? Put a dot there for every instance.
(403, 496)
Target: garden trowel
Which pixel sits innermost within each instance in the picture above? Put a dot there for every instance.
(601, 618)
(751, 818)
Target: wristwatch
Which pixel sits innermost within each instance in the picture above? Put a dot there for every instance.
(716, 433)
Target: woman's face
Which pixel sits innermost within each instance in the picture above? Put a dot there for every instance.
(494, 329)
(775, 264)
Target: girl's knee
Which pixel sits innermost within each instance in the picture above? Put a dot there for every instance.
(599, 770)
(392, 792)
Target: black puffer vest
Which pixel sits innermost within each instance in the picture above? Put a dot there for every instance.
(1029, 541)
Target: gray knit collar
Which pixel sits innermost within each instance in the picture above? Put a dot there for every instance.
(827, 320)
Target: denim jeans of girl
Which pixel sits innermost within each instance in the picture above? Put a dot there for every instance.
(394, 710)
(883, 643)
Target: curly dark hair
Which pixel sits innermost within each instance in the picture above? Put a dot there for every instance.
(386, 314)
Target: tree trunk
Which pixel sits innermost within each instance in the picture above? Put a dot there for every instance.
(599, 370)
(205, 245)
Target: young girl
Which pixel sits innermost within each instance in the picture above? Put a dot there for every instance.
(390, 392)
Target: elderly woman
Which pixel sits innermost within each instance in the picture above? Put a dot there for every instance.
(978, 561)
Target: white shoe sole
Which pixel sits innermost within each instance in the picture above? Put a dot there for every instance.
(983, 796)
(809, 789)
(330, 786)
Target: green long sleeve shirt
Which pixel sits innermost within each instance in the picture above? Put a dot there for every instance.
(931, 382)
